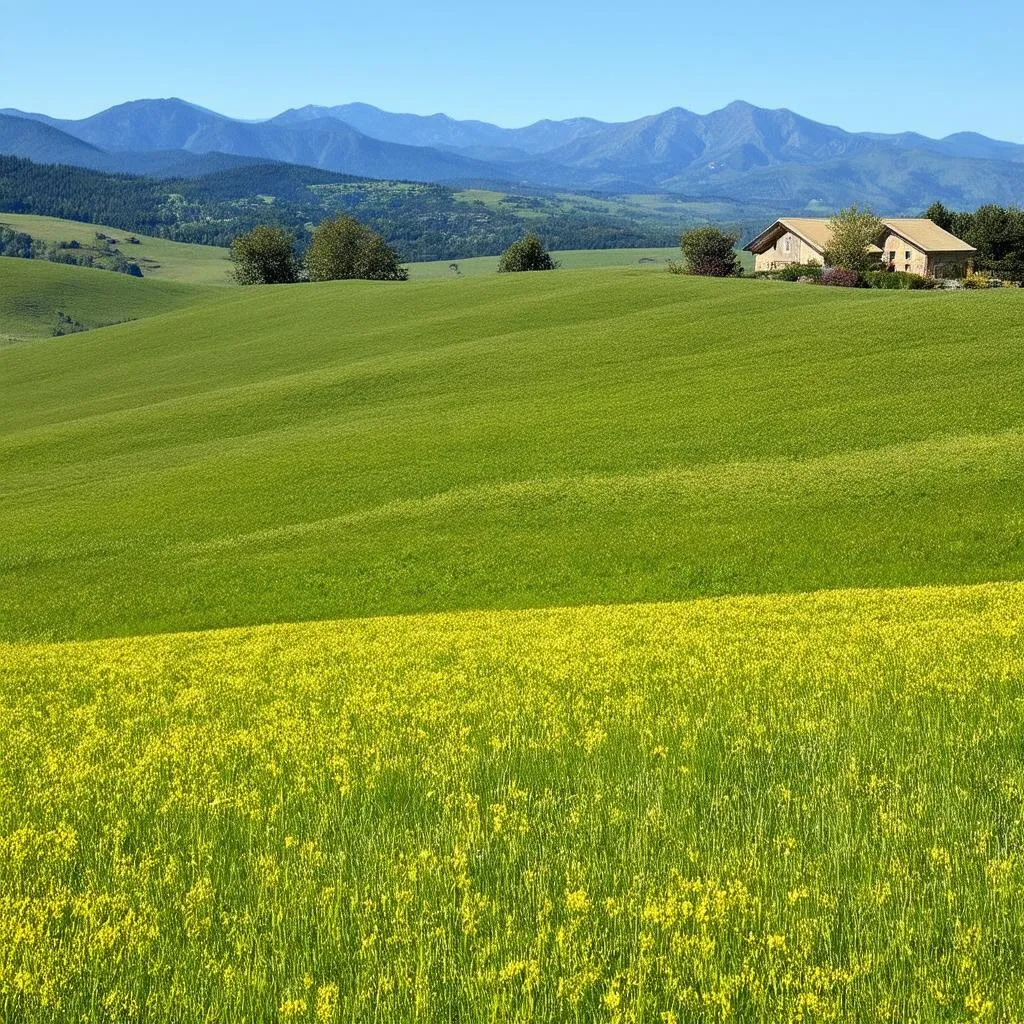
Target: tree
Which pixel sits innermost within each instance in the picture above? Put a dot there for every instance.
(852, 232)
(997, 232)
(378, 261)
(343, 249)
(265, 255)
(709, 252)
(939, 215)
(526, 254)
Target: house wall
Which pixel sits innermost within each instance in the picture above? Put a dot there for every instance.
(907, 256)
(779, 255)
(948, 265)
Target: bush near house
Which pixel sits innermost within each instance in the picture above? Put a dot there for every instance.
(975, 280)
(793, 272)
(897, 280)
(843, 278)
(840, 277)
(709, 252)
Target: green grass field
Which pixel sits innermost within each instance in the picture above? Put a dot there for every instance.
(33, 293)
(572, 259)
(602, 645)
(569, 259)
(506, 441)
(159, 258)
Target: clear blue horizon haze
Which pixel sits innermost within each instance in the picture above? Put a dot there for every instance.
(935, 70)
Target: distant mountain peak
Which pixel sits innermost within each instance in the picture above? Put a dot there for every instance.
(741, 152)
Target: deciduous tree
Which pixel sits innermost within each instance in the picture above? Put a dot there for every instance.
(853, 231)
(343, 249)
(265, 255)
(526, 254)
(709, 252)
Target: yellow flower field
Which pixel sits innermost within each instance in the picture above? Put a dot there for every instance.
(795, 808)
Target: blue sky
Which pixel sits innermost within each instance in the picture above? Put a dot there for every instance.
(934, 68)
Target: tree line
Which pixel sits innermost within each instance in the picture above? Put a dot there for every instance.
(343, 249)
(997, 232)
(420, 221)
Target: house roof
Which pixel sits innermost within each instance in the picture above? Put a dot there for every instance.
(923, 234)
(813, 230)
(926, 235)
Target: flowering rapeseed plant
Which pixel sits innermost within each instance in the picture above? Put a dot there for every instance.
(787, 809)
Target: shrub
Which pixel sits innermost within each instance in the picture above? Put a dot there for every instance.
(343, 249)
(794, 272)
(840, 277)
(976, 281)
(897, 279)
(675, 268)
(526, 254)
(709, 252)
(265, 255)
(66, 325)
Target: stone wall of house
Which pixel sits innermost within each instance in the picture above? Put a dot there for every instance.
(789, 248)
(948, 265)
(899, 254)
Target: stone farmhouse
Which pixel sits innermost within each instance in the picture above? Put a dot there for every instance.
(913, 244)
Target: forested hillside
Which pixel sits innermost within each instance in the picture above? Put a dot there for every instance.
(423, 222)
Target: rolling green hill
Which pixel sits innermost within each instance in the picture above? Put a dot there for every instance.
(693, 792)
(506, 441)
(158, 258)
(569, 259)
(34, 294)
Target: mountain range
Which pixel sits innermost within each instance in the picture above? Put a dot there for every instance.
(741, 152)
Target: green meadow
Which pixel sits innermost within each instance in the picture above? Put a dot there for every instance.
(159, 258)
(568, 259)
(783, 808)
(505, 441)
(34, 294)
(597, 645)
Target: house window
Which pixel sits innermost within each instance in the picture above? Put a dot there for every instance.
(892, 255)
(906, 255)
(785, 244)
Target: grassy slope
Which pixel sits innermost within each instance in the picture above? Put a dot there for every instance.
(597, 436)
(159, 258)
(33, 291)
(675, 210)
(572, 259)
(569, 259)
